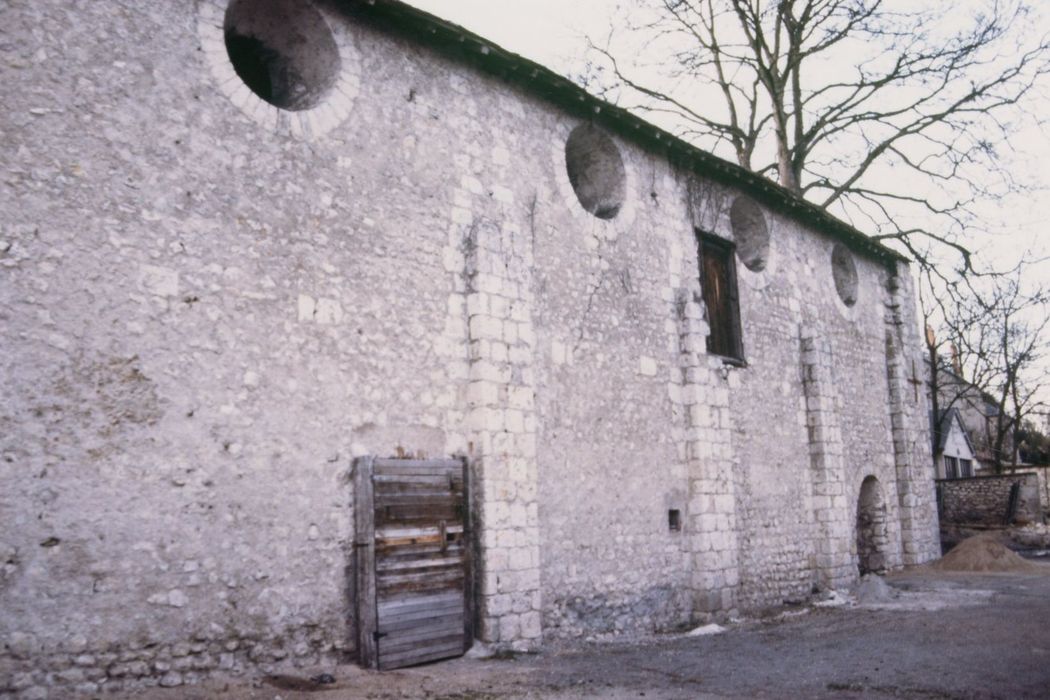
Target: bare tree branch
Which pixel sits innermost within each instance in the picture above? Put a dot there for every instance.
(850, 102)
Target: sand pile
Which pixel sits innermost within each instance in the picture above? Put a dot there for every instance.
(983, 553)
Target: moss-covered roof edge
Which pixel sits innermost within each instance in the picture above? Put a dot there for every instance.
(464, 46)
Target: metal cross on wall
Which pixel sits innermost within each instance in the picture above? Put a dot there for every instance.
(915, 381)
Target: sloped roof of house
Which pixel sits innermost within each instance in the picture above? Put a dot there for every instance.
(987, 404)
(460, 44)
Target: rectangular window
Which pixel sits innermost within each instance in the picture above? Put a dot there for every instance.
(718, 282)
(966, 468)
(951, 468)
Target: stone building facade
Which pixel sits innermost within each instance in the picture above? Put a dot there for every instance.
(245, 241)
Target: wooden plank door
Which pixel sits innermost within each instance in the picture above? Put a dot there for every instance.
(421, 563)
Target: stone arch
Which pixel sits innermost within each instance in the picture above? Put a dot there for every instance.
(872, 536)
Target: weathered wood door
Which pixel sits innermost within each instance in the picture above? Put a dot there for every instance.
(413, 561)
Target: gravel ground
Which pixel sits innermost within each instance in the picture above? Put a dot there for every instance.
(929, 634)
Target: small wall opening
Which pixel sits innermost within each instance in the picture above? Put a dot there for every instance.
(872, 539)
(844, 272)
(283, 50)
(674, 520)
(750, 233)
(596, 171)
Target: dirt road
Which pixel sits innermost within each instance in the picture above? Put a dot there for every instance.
(935, 635)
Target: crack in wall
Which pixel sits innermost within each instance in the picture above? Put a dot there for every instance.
(590, 296)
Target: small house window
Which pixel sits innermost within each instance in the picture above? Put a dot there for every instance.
(966, 468)
(718, 281)
(951, 467)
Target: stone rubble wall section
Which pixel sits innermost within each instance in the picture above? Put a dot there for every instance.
(88, 668)
(776, 530)
(609, 467)
(835, 564)
(983, 500)
(873, 541)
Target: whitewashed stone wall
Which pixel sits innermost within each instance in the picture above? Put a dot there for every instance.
(206, 314)
(829, 502)
(909, 418)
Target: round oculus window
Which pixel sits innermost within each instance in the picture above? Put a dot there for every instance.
(844, 272)
(283, 50)
(596, 171)
(750, 233)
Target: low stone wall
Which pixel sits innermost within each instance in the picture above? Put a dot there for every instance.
(984, 500)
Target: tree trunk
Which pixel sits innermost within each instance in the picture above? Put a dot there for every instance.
(786, 172)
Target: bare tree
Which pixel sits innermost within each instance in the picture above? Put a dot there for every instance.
(848, 103)
(998, 337)
(947, 387)
(1033, 445)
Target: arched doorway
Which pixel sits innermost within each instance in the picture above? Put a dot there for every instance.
(871, 528)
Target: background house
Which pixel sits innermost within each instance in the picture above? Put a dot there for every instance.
(953, 455)
(975, 411)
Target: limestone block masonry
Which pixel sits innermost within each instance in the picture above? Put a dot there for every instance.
(246, 241)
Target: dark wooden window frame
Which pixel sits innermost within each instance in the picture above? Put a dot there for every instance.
(724, 340)
(951, 467)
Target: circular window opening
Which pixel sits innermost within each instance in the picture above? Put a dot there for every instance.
(283, 50)
(596, 171)
(845, 274)
(750, 233)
